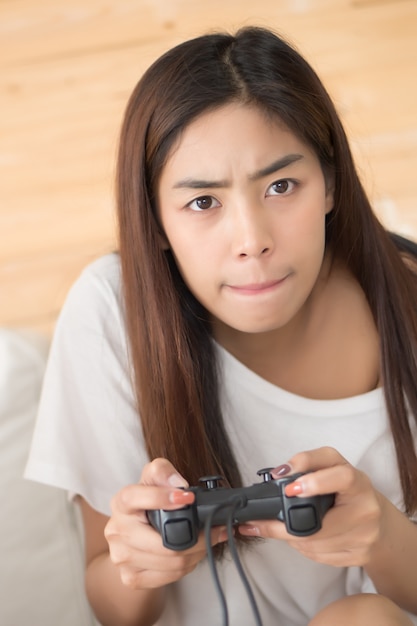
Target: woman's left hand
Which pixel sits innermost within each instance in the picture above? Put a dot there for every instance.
(350, 529)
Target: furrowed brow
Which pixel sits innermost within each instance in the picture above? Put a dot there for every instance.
(197, 183)
(277, 165)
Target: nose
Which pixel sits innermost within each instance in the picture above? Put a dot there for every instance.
(252, 236)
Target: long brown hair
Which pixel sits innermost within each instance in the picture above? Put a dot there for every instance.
(172, 351)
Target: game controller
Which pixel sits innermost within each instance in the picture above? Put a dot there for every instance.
(180, 528)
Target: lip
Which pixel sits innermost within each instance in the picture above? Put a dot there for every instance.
(254, 289)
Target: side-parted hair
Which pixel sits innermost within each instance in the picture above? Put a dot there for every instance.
(176, 376)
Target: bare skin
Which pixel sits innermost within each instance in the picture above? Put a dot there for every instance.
(361, 610)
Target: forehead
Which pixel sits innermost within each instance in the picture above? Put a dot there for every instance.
(229, 135)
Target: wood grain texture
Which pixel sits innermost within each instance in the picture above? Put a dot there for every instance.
(67, 68)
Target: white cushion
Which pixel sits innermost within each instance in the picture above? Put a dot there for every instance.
(41, 558)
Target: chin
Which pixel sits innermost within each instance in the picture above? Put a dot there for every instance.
(257, 328)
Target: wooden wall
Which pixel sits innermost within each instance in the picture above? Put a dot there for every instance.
(67, 68)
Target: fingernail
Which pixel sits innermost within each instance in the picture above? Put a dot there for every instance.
(181, 497)
(176, 480)
(245, 529)
(294, 489)
(281, 470)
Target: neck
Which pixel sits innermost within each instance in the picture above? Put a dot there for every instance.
(252, 348)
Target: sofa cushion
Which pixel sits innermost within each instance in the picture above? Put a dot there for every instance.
(41, 566)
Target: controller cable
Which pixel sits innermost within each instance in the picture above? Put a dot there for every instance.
(231, 505)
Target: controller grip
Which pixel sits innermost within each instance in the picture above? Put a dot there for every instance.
(178, 529)
(304, 517)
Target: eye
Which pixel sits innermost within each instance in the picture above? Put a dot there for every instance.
(281, 187)
(202, 203)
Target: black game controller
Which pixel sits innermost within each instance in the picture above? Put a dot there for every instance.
(267, 500)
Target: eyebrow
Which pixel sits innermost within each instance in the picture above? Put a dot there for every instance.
(279, 164)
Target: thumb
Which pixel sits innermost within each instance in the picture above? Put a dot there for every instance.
(160, 472)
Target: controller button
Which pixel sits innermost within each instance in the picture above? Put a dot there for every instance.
(302, 518)
(211, 482)
(178, 532)
(265, 473)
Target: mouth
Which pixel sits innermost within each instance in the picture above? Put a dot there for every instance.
(255, 289)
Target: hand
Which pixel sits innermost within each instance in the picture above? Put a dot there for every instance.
(350, 529)
(135, 547)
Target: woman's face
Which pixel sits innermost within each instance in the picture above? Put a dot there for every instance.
(242, 202)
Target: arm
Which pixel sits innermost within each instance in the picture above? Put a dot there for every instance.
(127, 567)
(112, 601)
(392, 563)
(363, 528)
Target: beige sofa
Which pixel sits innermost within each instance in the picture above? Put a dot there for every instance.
(41, 557)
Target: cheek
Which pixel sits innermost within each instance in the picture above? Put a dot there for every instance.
(191, 259)
(307, 241)
(192, 248)
(308, 231)
(184, 250)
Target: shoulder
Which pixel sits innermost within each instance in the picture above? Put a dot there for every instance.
(92, 318)
(101, 276)
(88, 437)
(97, 292)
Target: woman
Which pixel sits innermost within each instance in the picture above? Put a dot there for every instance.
(256, 314)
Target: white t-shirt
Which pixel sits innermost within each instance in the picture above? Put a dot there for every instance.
(88, 441)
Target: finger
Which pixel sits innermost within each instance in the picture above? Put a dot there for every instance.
(316, 465)
(150, 579)
(167, 562)
(267, 529)
(153, 578)
(136, 498)
(342, 479)
(162, 472)
(219, 534)
(274, 529)
(154, 555)
(129, 540)
(313, 460)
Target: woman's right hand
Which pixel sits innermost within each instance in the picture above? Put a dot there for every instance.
(135, 546)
